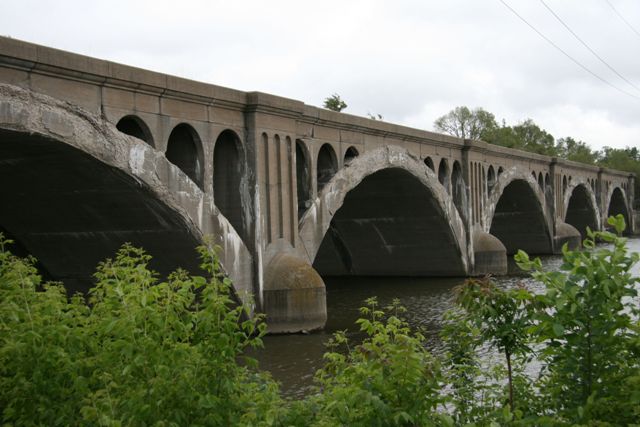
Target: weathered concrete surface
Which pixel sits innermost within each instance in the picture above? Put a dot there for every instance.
(267, 177)
(75, 189)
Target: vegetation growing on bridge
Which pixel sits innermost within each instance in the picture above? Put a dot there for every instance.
(140, 352)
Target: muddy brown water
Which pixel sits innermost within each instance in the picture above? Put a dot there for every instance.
(293, 359)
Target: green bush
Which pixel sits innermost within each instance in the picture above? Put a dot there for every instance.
(143, 352)
(389, 379)
(140, 353)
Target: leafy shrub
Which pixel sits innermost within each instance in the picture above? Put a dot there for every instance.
(140, 353)
(390, 379)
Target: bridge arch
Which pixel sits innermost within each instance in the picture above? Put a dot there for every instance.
(91, 188)
(134, 126)
(580, 207)
(398, 215)
(617, 204)
(229, 179)
(517, 213)
(184, 149)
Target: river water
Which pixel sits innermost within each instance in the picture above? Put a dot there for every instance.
(293, 359)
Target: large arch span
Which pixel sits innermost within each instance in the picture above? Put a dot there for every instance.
(386, 214)
(581, 208)
(77, 188)
(517, 213)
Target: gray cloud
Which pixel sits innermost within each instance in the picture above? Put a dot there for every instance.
(410, 61)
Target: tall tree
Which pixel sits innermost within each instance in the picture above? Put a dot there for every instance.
(465, 123)
(535, 139)
(578, 151)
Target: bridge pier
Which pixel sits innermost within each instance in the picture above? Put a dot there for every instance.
(566, 234)
(490, 255)
(294, 296)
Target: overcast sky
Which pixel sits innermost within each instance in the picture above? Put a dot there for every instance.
(410, 61)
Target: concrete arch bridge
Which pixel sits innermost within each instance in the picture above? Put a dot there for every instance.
(94, 154)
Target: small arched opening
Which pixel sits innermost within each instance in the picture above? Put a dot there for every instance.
(227, 178)
(564, 185)
(500, 170)
(303, 177)
(429, 162)
(184, 150)
(327, 165)
(491, 178)
(458, 190)
(541, 181)
(443, 174)
(350, 154)
(134, 126)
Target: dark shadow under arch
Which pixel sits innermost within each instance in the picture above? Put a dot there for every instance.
(228, 171)
(389, 225)
(136, 127)
(71, 211)
(443, 174)
(429, 162)
(519, 222)
(184, 150)
(618, 205)
(350, 154)
(458, 190)
(580, 211)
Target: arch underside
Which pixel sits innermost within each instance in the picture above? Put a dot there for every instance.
(581, 212)
(519, 222)
(389, 225)
(618, 206)
(72, 211)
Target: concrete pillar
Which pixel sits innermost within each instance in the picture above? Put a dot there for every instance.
(490, 255)
(294, 296)
(565, 233)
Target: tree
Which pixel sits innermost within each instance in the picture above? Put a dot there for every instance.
(535, 139)
(334, 103)
(465, 123)
(578, 151)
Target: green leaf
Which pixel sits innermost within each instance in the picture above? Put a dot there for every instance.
(558, 329)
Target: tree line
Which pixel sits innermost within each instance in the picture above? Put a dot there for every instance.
(480, 124)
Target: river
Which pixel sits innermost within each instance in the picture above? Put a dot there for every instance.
(293, 359)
